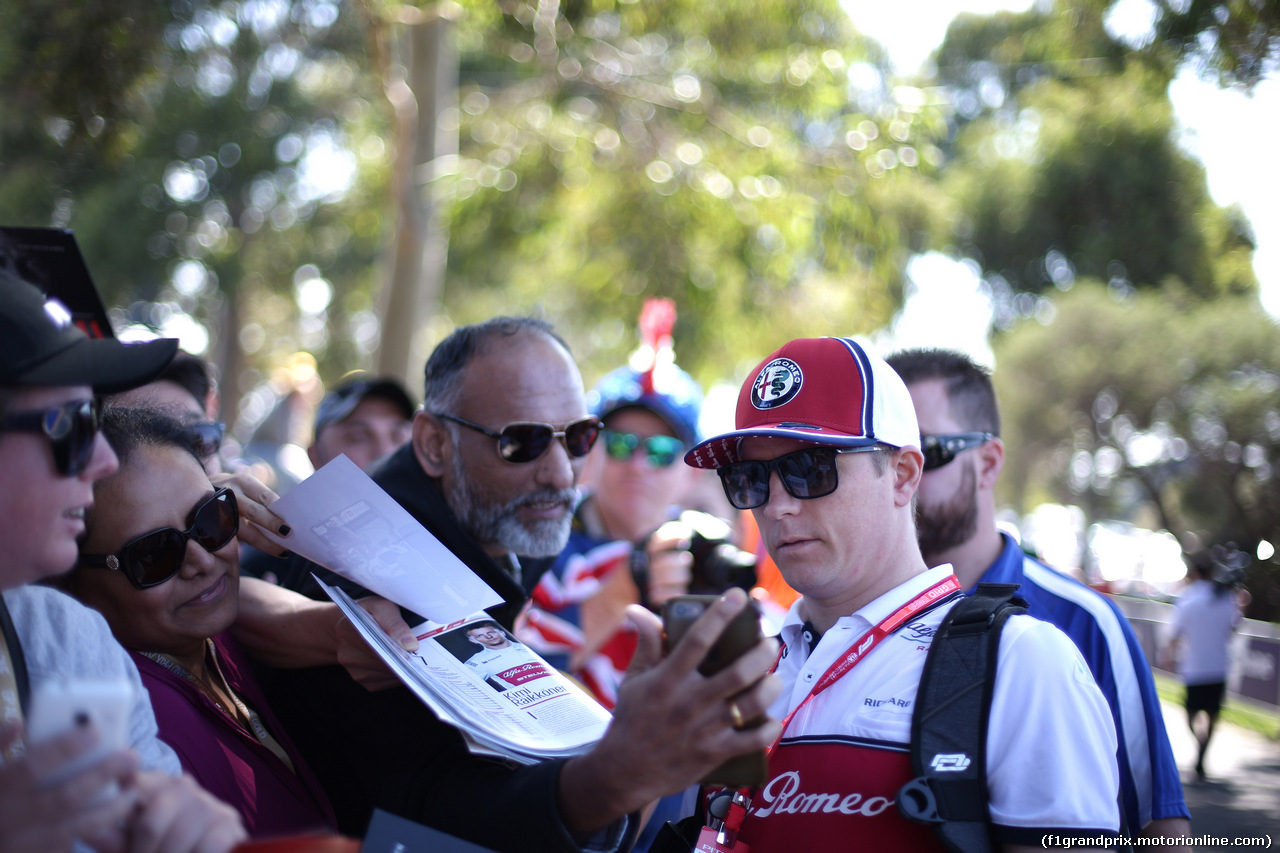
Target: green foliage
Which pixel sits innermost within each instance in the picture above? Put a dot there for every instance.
(1120, 403)
(1071, 167)
(987, 59)
(705, 152)
(187, 145)
(1235, 41)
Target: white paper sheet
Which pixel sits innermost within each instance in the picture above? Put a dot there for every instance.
(344, 521)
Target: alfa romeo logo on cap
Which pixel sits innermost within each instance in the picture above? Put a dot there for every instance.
(779, 381)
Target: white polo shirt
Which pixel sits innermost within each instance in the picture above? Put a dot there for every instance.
(1206, 618)
(1051, 744)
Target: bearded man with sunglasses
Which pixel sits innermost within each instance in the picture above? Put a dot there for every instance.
(51, 453)
(827, 455)
(491, 470)
(959, 417)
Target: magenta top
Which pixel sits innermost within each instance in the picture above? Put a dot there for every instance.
(229, 762)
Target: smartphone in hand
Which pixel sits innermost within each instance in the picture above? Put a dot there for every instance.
(739, 636)
(60, 706)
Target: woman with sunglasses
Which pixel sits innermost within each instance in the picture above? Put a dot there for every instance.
(160, 561)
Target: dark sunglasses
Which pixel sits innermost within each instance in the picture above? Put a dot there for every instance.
(659, 450)
(206, 438)
(525, 442)
(154, 557)
(70, 428)
(941, 449)
(805, 474)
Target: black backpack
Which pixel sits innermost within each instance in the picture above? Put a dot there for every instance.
(949, 725)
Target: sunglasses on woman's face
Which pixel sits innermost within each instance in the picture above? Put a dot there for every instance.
(943, 448)
(154, 557)
(71, 429)
(525, 442)
(806, 474)
(659, 450)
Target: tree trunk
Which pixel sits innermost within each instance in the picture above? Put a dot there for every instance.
(419, 246)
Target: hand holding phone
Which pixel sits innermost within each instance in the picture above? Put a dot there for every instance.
(60, 706)
(738, 637)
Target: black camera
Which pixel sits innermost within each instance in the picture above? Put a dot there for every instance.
(718, 564)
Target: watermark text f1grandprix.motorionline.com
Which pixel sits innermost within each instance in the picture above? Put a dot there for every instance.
(1197, 841)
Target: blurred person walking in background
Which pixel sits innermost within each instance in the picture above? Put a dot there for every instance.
(1208, 613)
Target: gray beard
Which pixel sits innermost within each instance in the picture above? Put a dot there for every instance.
(950, 524)
(500, 523)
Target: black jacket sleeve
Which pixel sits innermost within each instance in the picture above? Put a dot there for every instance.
(388, 750)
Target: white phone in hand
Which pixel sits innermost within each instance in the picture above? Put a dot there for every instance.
(60, 706)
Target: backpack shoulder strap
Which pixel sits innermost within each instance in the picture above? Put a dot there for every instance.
(949, 724)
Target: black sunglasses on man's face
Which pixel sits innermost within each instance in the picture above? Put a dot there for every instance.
(524, 442)
(805, 475)
(942, 449)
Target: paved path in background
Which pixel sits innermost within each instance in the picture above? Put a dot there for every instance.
(1241, 796)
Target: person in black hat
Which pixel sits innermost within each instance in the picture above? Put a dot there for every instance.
(51, 453)
(363, 418)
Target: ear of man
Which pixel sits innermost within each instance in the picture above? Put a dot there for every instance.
(906, 465)
(432, 443)
(990, 463)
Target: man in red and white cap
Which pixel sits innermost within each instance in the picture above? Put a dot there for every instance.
(827, 455)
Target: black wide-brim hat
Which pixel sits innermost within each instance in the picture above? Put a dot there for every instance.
(40, 346)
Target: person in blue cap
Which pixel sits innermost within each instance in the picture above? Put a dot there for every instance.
(364, 418)
(650, 420)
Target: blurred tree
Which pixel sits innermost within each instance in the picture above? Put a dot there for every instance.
(1066, 164)
(222, 164)
(230, 163)
(746, 159)
(1117, 401)
(1235, 41)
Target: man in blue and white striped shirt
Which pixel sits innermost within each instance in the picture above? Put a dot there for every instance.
(960, 430)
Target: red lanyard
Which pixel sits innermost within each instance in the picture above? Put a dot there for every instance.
(870, 640)
(922, 602)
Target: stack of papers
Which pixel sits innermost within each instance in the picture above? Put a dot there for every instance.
(503, 697)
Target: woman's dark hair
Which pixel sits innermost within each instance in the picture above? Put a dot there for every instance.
(127, 428)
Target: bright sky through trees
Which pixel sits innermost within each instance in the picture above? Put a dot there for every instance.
(1230, 132)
